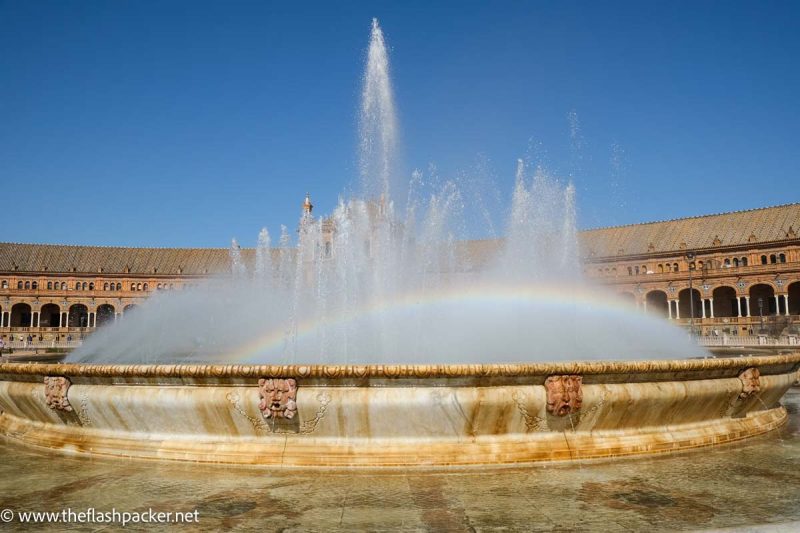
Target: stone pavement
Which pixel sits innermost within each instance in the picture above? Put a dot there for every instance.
(752, 486)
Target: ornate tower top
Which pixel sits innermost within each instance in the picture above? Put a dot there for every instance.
(307, 205)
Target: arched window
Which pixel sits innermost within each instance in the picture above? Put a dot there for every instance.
(35, 285)
(84, 287)
(119, 286)
(105, 286)
(743, 261)
(91, 285)
(782, 258)
(763, 259)
(5, 284)
(19, 285)
(700, 265)
(63, 285)
(644, 269)
(660, 269)
(170, 286)
(158, 287)
(675, 267)
(138, 286)
(727, 262)
(27, 284)
(133, 286)
(773, 259)
(636, 269)
(77, 285)
(49, 285)
(736, 262)
(630, 271)
(144, 287)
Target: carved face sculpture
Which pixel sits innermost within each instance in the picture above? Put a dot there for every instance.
(751, 383)
(278, 397)
(55, 393)
(564, 394)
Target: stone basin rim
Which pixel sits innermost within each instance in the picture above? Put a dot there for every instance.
(201, 370)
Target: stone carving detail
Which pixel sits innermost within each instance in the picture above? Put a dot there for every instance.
(751, 382)
(278, 397)
(564, 394)
(532, 422)
(55, 393)
(259, 424)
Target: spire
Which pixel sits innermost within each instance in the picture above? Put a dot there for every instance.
(307, 205)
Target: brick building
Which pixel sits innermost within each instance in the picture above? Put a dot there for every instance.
(736, 273)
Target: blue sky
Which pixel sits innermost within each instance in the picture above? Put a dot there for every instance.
(187, 123)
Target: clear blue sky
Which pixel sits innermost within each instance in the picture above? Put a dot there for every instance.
(186, 123)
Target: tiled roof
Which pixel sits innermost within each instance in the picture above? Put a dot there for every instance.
(755, 226)
(97, 259)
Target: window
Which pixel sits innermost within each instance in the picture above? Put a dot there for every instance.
(91, 285)
(27, 284)
(63, 285)
(138, 286)
(772, 259)
(119, 286)
(675, 267)
(782, 258)
(630, 271)
(743, 261)
(644, 269)
(19, 284)
(660, 269)
(145, 287)
(105, 286)
(5, 284)
(736, 262)
(77, 285)
(727, 262)
(84, 287)
(133, 286)
(49, 285)
(636, 269)
(158, 287)
(35, 285)
(763, 259)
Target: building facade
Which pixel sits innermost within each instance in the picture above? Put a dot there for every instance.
(733, 273)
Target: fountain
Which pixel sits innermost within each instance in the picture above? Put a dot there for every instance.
(384, 339)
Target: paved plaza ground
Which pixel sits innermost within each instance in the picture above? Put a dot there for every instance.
(741, 487)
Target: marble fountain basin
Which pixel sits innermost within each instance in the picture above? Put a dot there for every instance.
(393, 415)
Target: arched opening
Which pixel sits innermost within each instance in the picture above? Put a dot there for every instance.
(27, 284)
(628, 298)
(128, 308)
(657, 303)
(793, 290)
(773, 259)
(105, 286)
(687, 305)
(49, 285)
(78, 316)
(725, 302)
(50, 316)
(19, 285)
(675, 267)
(762, 300)
(21, 316)
(77, 285)
(782, 258)
(763, 259)
(119, 286)
(63, 285)
(105, 314)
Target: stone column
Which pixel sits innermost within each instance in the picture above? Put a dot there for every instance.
(711, 306)
(677, 309)
(669, 308)
(777, 305)
(786, 302)
(644, 306)
(747, 305)
(739, 305)
(703, 301)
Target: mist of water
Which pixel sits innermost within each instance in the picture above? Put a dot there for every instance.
(368, 284)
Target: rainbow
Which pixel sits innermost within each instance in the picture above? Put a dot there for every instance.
(486, 294)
